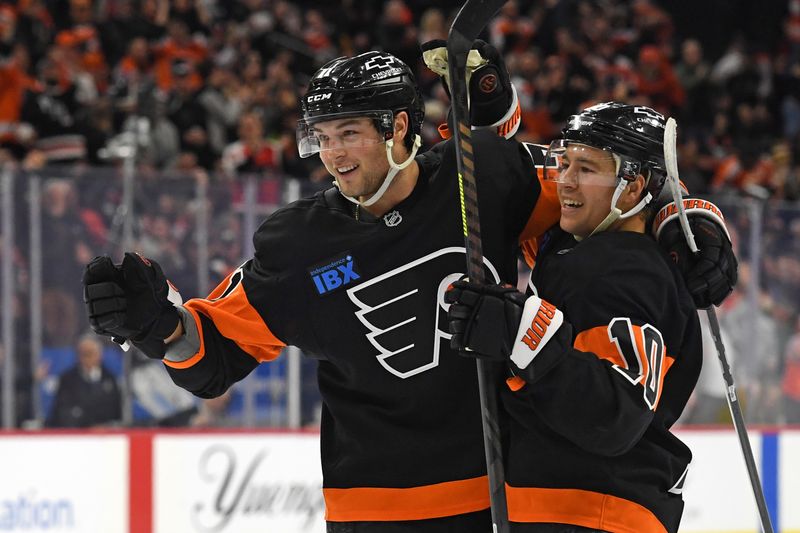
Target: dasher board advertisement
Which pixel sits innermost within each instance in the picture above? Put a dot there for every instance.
(237, 483)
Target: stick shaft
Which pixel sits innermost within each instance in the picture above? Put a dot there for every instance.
(467, 25)
(671, 159)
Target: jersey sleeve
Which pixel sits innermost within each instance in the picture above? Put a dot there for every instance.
(604, 393)
(226, 332)
(547, 210)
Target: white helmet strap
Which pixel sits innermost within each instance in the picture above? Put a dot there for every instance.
(393, 170)
(616, 212)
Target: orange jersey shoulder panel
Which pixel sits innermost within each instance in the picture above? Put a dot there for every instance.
(237, 320)
(547, 211)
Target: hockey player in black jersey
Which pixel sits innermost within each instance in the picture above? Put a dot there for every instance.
(605, 353)
(355, 276)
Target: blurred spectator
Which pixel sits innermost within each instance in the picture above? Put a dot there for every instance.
(164, 144)
(223, 104)
(562, 89)
(213, 412)
(144, 18)
(15, 84)
(97, 129)
(317, 35)
(88, 394)
(790, 384)
(26, 377)
(187, 113)
(657, 81)
(155, 392)
(34, 28)
(226, 253)
(708, 404)
(79, 41)
(66, 252)
(179, 48)
(194, 14)
(136, 68)
(432, 25)
(396, 32)
(745, 170)
(253, 152)
(692, 72)
(54, 109)
(754, 336)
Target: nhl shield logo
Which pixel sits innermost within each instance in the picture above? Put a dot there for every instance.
(404, 311)
(392, 218)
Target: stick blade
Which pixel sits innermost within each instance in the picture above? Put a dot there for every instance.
(670, 144)
(468, 24)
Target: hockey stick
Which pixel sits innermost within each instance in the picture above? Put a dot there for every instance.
(468, 23)
(671, 160)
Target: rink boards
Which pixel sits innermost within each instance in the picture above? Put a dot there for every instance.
(264, 481)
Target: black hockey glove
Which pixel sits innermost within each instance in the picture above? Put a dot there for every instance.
(130, 301)
(492, 100)
(711, 274)
(501, 324)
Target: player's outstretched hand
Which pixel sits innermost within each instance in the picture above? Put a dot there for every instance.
(491, 95)
(500, 324)
(710, 274)
(130, 301)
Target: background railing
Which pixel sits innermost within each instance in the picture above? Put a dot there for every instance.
(199, 227)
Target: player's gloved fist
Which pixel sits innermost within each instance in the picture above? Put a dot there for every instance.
(710, 274)
(483, 319)
(492, 100)
(500, 323)
(130, 301)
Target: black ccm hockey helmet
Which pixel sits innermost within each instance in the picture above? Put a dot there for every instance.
(635, 134)
(373, 84)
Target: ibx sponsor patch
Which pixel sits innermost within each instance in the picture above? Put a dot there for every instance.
(334, 274)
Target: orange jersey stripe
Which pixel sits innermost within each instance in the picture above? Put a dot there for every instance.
(547, 211)
(530, 249)
(237, 320)
(598, 341)
(580, 508)
(415, 503)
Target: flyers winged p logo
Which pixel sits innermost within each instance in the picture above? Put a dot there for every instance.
(404, 310)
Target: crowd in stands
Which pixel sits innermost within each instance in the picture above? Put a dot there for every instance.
(219, 82)
(209, 91)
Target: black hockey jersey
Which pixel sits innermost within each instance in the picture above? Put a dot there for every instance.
(401, 434)
(589, 440)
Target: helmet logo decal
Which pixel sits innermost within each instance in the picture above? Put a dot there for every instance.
(392, 218)
(379, 62)
(650, 113)
(325, 71)
(319, 97)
